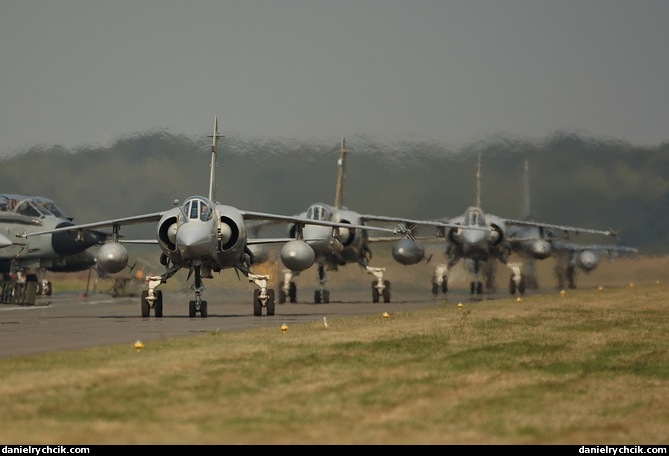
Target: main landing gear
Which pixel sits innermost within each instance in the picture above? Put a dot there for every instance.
(262, 296)
(517, 280)
(152, 298)
(287, 288)
(380, 287)
(440, 280)
(18, 289)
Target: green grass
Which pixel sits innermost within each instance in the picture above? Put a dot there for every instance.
(591, 367)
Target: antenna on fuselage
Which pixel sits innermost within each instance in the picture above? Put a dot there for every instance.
(212, 170)
(339, 193)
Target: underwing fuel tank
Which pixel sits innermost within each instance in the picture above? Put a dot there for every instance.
(408, 252)
(586, 260)
(112, 257)
(297, 255)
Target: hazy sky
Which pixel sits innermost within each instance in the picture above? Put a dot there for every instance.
(85, 72)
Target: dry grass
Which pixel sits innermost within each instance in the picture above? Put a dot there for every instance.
(591, 367)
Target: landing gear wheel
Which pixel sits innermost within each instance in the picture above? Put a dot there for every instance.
(292, 292)
(435, 287)
(282, 294)
(475, 289)
(158, 305)
(571, 278)
(270, 302)
(48, 290)
(192, 311)
(321, 297)
(375, 293)
(203, 309)
(146, 309)
(512, 286)
(257, 305)
(386, 291)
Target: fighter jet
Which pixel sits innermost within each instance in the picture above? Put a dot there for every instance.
(204, 236)
(24, 261)
(486, 241)
(353, 246)
(533, 243)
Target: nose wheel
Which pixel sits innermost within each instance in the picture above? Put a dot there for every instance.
(155, 303)
(321, 296)
(197, 306)
(287, 292)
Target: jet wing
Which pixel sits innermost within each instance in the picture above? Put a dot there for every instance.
(406, 226)
(132, 220)
(574, 229)
(611, 249)
(307, 221)
(250, 215)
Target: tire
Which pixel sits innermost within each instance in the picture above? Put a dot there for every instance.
(49, 289)
(282, 294)
(326, 296)
(158, 305)
(386, 291)
(375, 293)
(192, 311)
(292, 292)
(270, 302)
(317, 297)
(257, 305)
(203, 309)
(512, 286)
(146, 309)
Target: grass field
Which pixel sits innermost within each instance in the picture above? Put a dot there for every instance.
(589, 367)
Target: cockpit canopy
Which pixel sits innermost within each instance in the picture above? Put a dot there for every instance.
(30, 206)
(198, 207)
(50, 206)
(474, 217)
(319, 212)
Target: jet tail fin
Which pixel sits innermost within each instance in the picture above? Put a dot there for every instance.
(478, 182)
(339, 193)
(527, 211)
(212, 173)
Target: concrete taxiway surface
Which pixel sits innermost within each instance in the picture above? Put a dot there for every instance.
(71, 321)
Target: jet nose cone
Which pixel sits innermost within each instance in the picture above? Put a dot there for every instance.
(474, 239)
(4, 241)
(72, 242)
(194, 240)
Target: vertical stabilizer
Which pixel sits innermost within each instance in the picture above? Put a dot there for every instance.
(527, 214)
(478, 182)
(212, 171)
(339, 194)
